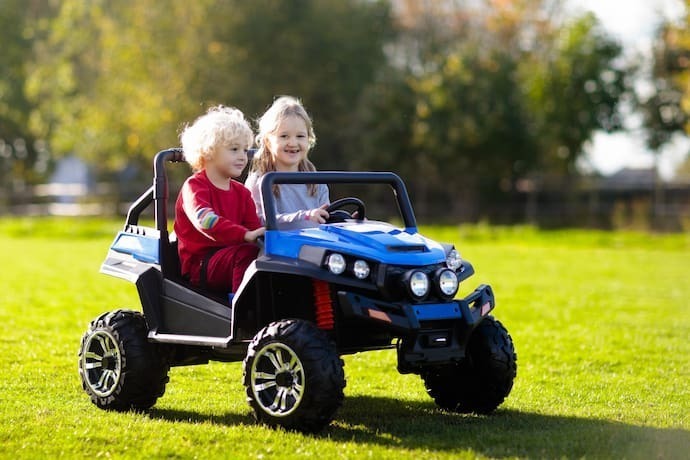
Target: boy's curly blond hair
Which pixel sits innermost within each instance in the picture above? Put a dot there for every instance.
(218, 127)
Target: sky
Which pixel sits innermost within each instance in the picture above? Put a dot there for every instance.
(633, 22)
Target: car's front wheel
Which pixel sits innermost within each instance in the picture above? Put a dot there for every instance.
(293, 376)
(119, 368)
(483, 379)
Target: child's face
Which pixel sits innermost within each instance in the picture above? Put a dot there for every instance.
(289, 143)
(228, 160)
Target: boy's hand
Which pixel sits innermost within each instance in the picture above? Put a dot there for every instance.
(252, 235)
(318, 215)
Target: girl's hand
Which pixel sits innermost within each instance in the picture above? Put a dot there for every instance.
(252, 235)
(318, 215)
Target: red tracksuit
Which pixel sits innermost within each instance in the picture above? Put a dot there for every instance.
(210, 222)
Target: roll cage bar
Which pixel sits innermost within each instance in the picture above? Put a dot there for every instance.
(336, 177)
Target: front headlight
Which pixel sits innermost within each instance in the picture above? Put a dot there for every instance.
(418, 283)
(447, 282)
(336, 263)
(453, 260)
(361, 269)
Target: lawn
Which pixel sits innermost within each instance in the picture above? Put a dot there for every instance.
(600, 321)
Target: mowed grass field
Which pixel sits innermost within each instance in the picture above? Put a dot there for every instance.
(600, 321)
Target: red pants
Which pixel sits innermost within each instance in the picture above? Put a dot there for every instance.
(226, 267)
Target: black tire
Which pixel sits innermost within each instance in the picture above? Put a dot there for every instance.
(293, 376)
(119, 369)
(482, 381)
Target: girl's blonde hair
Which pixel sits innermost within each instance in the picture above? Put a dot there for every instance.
(283, 107)
(218, 127)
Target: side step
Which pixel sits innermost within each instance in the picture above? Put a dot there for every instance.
(196, 340)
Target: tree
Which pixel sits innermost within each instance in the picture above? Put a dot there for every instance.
(462, 98)
(490, 96)
(111, 79)
(323, 51)
(663, 113)
(677, 43)
(114, 81)
(574, 89)
(20, 150)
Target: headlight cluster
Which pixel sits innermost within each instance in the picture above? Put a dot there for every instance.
(440, 281)
(418, 285)
(337, 265)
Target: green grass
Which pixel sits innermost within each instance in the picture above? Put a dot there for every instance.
(600, 321)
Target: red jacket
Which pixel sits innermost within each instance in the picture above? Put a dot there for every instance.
(207, 218)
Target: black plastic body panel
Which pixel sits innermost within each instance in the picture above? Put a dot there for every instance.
(187, 312)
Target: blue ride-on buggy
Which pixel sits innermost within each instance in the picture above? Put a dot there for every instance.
(350, 285)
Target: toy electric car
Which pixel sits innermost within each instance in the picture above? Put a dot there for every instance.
(312, 295)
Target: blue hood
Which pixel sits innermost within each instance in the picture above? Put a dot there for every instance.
(372, 240)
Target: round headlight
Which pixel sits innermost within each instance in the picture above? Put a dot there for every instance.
(360, 269)
(419, 284)
(447, 283)
(336, 263)
(453, 260)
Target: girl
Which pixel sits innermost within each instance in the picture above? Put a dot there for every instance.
(285, 137)
(215, 218)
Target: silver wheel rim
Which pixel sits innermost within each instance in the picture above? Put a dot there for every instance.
(277, 379)
(101, 363)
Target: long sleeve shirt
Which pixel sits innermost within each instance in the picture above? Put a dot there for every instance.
(292, 204)
(207, 218)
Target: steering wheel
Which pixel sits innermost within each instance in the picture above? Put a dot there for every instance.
(337, 214)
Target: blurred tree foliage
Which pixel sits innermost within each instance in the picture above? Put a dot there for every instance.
(492, 95)
(574, 89)
(666, 108)
(115, 81)
(461, 98)
(22, 154)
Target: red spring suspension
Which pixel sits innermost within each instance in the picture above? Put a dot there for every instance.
(323, 305)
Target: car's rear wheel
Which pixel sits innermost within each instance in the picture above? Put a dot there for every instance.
(119, 369)
(482, 381)
(293, 376)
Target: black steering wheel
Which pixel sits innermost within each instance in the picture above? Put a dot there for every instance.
(337, 214)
